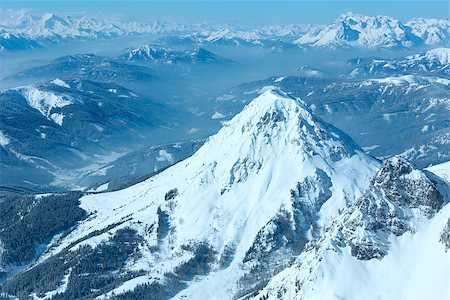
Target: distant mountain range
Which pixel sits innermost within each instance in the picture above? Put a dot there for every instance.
(154, 53)
(435, 61)
(353, 30)
(10, 41)
(87, 66)
(348, 31)
(50, 27)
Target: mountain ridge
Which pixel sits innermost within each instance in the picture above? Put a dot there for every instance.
(348, 31)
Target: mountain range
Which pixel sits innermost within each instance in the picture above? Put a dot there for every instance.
(51, 27)
(158, 54)
(72, 124)
(10, 41)
(354, 30)
(406, 96)
(88, 67)
(433, 61)
(348, 31)
(271, 207)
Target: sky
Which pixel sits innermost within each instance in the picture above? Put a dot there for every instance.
(250, 12)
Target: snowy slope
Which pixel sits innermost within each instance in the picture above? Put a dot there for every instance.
(389, 245)
(417, 267)
(441, 170)
(45, 102)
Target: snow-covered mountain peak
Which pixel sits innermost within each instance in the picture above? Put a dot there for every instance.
(51, 23)
(6, 35)
(272, 108)
(273, 144)
(253, 194)
(279, 116)
(154, 53)
(147, 48)
(363, 21)
(439, 55)
(147, 52)
(362, 31)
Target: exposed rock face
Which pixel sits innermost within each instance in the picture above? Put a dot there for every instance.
(399, 199)
(398, 193)
(406, 186)
(445, 236)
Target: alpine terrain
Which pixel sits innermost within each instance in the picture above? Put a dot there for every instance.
(267, 208)
(216, 150)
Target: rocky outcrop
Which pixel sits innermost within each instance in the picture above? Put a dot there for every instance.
(398, 193)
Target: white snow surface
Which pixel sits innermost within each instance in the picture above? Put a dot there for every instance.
(409, 80)
(279, 79)
(102, 187)
(4, 140)
(127, 286)
(217, 115)
(442, 170)
(163, 155)
(417, 267)
(45, 102)
(60, 83)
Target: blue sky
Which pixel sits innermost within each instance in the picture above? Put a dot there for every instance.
(247, 12)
